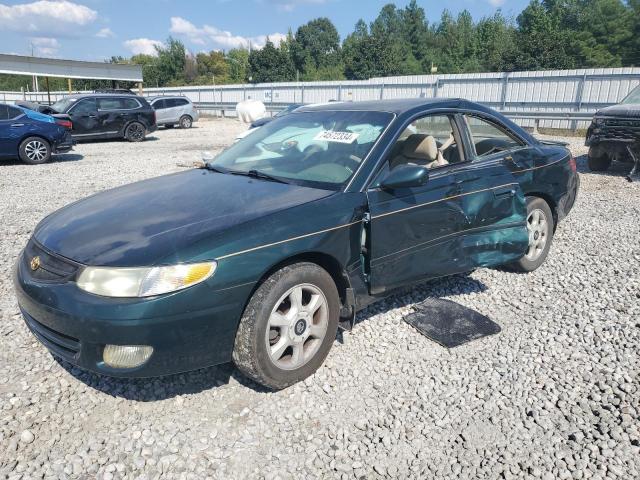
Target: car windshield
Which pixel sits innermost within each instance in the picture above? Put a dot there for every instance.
(317, 149)
(287, 110)
(633, 97)
(63, 105)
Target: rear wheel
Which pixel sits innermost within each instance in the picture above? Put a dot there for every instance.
(288, 327)
(186, 121)
(599, 159)
(35, 150)
(135, 132)
(540, 225)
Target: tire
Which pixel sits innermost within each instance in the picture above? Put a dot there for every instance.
(186, 121)
(135, 132)
(540, 224)
(35, 150)
(270, 333)
(599, 159)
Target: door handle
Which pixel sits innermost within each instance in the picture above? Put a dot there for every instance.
(17, 124)
(508, 192)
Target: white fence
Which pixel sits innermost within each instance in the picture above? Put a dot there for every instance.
(556, 99)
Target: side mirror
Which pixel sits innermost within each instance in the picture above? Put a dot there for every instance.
(405, 176)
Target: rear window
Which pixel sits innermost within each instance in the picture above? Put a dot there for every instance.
(13, 112)
(7, 112)
(176, 102)
(117, 104)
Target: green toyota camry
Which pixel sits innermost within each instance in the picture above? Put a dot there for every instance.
(261, 255)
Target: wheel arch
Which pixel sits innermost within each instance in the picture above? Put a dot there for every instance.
(553, 205)
(324, 260)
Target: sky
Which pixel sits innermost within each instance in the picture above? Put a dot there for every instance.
(97, 29)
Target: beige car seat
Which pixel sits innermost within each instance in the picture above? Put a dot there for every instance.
(420, 149)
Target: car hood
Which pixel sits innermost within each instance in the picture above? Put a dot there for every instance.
(142, 223)
(629, 111)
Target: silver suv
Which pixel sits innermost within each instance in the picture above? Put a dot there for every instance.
(171, 111)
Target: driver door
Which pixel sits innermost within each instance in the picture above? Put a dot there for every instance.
(414, 233)
(470, 213)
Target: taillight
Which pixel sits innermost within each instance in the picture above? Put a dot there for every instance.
(572, 164)
(64, 123)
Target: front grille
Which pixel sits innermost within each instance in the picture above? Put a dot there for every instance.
(62, 345)
(51, 268)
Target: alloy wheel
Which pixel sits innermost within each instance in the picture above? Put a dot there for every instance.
(136, 131)
(297, 326)
(186, 122)
(538, 228)
(35, 150)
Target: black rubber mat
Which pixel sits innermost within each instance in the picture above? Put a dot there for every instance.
(450, 324)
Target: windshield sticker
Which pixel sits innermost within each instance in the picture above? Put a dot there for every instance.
(337, 137)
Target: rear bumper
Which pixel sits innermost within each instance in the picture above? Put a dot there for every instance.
(64, 145)
(568, 200)
(188, 330)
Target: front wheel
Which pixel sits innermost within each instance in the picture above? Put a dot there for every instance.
(288, 327)
(135, 132)
(540, 225)
(34, 151)
(599, 160)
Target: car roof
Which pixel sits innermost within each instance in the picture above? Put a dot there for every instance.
(101, 95)
(151, 99)
(397, 106)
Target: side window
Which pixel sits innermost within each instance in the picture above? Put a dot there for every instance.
(109, 104)
(160, 104)
(181, 102)
(130, 103)
(13, 112)
(87, 105)
(4, 112)
(431, 141)
(488, 138)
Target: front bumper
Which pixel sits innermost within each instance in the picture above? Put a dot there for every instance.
(190, 329)
(614, 130)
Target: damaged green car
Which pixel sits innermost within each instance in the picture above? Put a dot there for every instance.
(260, 256)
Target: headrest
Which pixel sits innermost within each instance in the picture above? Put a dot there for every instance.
(421, 147)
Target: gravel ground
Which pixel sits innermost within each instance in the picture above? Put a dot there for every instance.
(555, 395)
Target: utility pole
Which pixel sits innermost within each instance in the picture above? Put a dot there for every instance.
(34, 84)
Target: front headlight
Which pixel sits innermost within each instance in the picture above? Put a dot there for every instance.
(143, 282)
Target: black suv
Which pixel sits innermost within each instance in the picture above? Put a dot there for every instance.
(97, 116)
(615, 135)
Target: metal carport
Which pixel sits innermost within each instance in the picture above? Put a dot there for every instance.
(51, 67)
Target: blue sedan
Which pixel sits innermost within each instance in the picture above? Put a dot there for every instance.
(31, 136)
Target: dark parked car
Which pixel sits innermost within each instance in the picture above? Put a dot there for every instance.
(121, 91)
(614, 134)
(31, 136)
(96, 116)
(285, 111)
(285, 235)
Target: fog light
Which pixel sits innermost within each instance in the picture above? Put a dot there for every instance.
(126, 356)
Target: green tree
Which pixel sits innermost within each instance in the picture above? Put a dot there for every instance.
(541, 39)
(213, 68)
(170, 63)
(270, 64)
(315, 47)
(238, 63)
